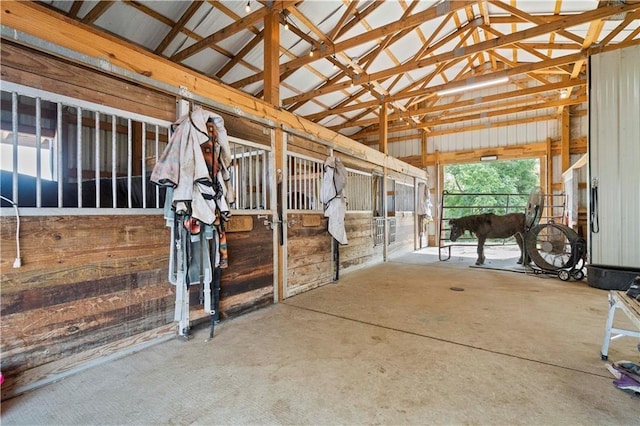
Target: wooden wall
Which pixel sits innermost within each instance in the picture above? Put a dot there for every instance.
(94, 285)
(360, 251)
(309, 254)
(34, 69)
(85, 282)
(247, 284)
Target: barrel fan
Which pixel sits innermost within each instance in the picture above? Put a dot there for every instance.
(554, 248)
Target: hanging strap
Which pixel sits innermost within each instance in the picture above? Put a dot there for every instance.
(595, 225)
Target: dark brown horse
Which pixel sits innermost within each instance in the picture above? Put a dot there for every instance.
(489, 225)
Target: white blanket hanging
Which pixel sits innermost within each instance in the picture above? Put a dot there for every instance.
(182, 167)
(332, 196)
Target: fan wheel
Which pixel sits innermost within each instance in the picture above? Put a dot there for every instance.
(551, 246)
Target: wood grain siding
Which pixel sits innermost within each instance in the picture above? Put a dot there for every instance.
(85, 282)
(243, 128)
(309, 259)
(247, 284)
(90, 281)
(360, 251)
(34, 69)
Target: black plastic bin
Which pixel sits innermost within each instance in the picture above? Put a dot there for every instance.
(611, 277)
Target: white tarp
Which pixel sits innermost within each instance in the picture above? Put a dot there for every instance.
(332, 196)
(424, 201)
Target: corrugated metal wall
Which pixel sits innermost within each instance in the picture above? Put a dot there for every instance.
(614, 156)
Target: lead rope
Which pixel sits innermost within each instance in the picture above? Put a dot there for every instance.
(595, 225)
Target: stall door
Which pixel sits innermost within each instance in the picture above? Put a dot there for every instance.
(308, 245)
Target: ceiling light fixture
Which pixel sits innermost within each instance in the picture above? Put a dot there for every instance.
(564, 94)
(247, 8)
(472, 86)
(311, 53)
(335, 66)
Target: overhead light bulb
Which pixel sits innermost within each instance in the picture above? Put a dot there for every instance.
(247, 8)
(335, 67)
(311, 53)
(286, 24)
(564, 94)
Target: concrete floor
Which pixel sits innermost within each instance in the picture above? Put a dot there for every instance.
(391, 344)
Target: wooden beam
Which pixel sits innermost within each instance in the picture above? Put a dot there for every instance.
(507, 39)
(97, 12)
(630, 17)
(351, 7)
(423, 149)
(228, 31)
(382, 131)
(57, 29)
(237, 58)
(366, 37)
(506, 111)
(75, 8)
(271, 57)
(521, 69)
(191, 10)
(513, 152)
(469, 128)
(535, 19)
(480, 102)
(357, 17)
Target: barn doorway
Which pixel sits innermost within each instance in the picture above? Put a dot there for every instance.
(492, 186)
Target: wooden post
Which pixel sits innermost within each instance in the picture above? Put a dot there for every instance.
(271, 57)
(423, 149)
(548, 171)
(383, 129)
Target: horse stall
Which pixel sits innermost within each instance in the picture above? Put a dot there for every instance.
(85, 247)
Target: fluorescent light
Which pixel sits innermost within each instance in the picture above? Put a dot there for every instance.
(472, 86)
(488, 158)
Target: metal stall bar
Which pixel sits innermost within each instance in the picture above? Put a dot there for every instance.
(143, 178)
(250, 172)
(265, 182)
(244, 186)
(157, 148)
(114, 152)
(97, 155)
(129, 161)
(58, 151)
(79, 155)
(256, 163)
(54, 157)
(14, 139)
(38, 153)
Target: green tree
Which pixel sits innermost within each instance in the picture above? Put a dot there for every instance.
(498, 186)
